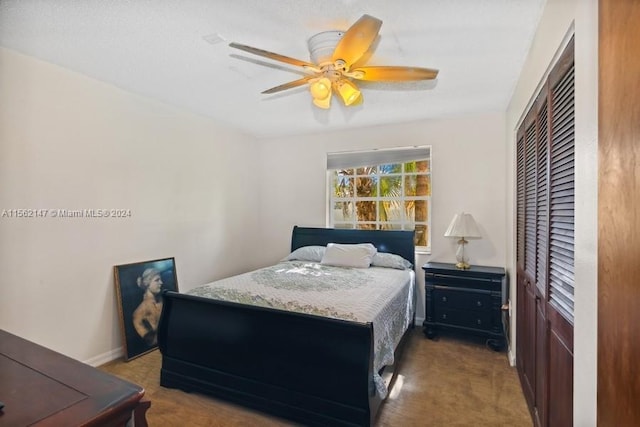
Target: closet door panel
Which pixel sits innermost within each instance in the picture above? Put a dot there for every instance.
(545, 248)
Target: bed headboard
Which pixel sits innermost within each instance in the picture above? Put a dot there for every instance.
(397, 242)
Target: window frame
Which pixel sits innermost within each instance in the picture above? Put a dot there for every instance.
(404, 222)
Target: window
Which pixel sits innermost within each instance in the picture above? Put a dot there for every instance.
(382, 190)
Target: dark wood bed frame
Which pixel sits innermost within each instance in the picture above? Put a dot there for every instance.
(306, 368)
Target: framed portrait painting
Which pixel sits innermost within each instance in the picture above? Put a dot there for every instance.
(139, 289)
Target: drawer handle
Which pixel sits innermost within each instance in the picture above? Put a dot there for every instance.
(444, 299)
(479, 303)
(479, 322)
(444, 316)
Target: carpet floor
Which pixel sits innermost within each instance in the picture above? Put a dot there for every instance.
(450, 381)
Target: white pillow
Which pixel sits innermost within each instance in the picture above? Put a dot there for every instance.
(382, 259)
(341, 255)
(306, 253)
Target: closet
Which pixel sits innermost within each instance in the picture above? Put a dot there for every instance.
(545, 247)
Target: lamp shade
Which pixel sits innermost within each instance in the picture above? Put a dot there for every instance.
(463, 226)
(320, 88)
(322, 103)
(348, 91)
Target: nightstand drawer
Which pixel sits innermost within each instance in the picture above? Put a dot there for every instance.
(468, 319)
(461, 299)
(479, 283)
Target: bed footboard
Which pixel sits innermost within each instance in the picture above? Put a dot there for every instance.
(302, 367)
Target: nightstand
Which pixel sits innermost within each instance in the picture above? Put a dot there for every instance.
(464, 300)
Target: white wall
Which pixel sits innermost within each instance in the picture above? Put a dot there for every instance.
(70, 142)
(559, 19)
(467, 175)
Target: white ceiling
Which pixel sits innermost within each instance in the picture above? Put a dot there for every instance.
(177, 52)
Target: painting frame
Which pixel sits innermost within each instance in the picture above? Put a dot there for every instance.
(139, 287)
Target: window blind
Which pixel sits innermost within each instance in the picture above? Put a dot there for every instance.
(353, 159)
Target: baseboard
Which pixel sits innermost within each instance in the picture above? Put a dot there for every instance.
(107, 357)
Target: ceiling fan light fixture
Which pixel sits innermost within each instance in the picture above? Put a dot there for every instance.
(358, 101)
(320, 88)
(322, 103)
(348, 91)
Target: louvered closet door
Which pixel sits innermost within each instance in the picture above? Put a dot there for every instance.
(561, 253)
(545, 248)
(523, 341)
(530, 196)
(542, 202)
(561, 281)
(542, 242)
(529, 273)
(520, 200)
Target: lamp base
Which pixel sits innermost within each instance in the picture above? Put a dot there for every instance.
(463, 266)
(460, 257)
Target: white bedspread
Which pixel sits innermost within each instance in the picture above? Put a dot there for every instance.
(383, 296)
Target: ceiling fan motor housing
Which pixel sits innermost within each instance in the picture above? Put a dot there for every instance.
(322, 45)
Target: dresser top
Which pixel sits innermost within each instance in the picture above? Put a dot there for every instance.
(444, 267)
(40, 386)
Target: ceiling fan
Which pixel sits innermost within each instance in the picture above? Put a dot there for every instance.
(335, 56)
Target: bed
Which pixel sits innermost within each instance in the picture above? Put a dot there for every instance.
(311, 368)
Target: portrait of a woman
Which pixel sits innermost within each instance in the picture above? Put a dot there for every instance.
(139, 288)
(147, 314)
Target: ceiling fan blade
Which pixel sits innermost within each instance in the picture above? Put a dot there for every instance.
(357, 40)
(274, 56)
(393, 74)
(289, 85)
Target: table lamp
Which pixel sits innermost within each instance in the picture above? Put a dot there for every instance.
(462, 227)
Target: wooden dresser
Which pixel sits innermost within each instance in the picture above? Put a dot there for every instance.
(41, 387)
